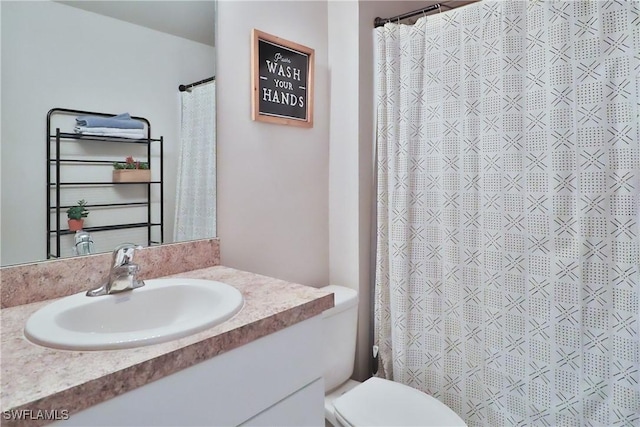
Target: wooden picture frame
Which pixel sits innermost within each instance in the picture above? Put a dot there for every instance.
(282, 81)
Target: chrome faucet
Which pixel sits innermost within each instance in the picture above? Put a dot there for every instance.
(122, 276)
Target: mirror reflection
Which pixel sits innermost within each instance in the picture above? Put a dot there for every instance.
(108, 58)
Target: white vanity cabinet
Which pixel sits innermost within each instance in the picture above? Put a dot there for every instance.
(275, 380)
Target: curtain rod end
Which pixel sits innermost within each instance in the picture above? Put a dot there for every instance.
(379, 22)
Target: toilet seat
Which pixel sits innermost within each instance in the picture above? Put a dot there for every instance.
(380, 402)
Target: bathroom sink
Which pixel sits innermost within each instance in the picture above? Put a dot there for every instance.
(162, 310)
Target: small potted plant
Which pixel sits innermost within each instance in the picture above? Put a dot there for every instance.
(131, 171)
(76, 215)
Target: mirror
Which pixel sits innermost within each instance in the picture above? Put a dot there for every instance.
(99, 56)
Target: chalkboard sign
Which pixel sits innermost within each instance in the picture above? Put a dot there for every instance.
(282, 81)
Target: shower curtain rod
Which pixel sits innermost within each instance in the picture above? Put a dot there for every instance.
(183, 88)
(379, 22)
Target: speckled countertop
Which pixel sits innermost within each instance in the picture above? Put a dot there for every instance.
(39, 378)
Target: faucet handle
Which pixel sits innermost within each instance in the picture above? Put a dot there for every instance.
(123, 254)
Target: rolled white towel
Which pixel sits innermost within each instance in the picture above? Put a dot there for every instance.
(119, 135)
(83, 129)
(123, 133)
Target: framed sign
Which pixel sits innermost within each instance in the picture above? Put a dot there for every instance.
(282, 73)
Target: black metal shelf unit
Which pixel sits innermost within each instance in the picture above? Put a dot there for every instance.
(55, 230)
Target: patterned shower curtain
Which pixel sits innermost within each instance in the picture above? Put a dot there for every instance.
(507, 278)
(196, 186)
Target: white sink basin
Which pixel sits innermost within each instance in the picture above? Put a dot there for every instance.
(162, 310)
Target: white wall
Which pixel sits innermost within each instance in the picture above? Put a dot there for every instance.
(344, 177)
(272, 179)
(343, 167)
(54, 55)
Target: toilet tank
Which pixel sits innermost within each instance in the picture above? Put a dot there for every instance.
(339, 335)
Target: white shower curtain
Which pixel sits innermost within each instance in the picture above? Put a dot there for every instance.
(195, 216)
(507, 280)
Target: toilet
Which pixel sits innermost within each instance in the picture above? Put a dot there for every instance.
(375, 402)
